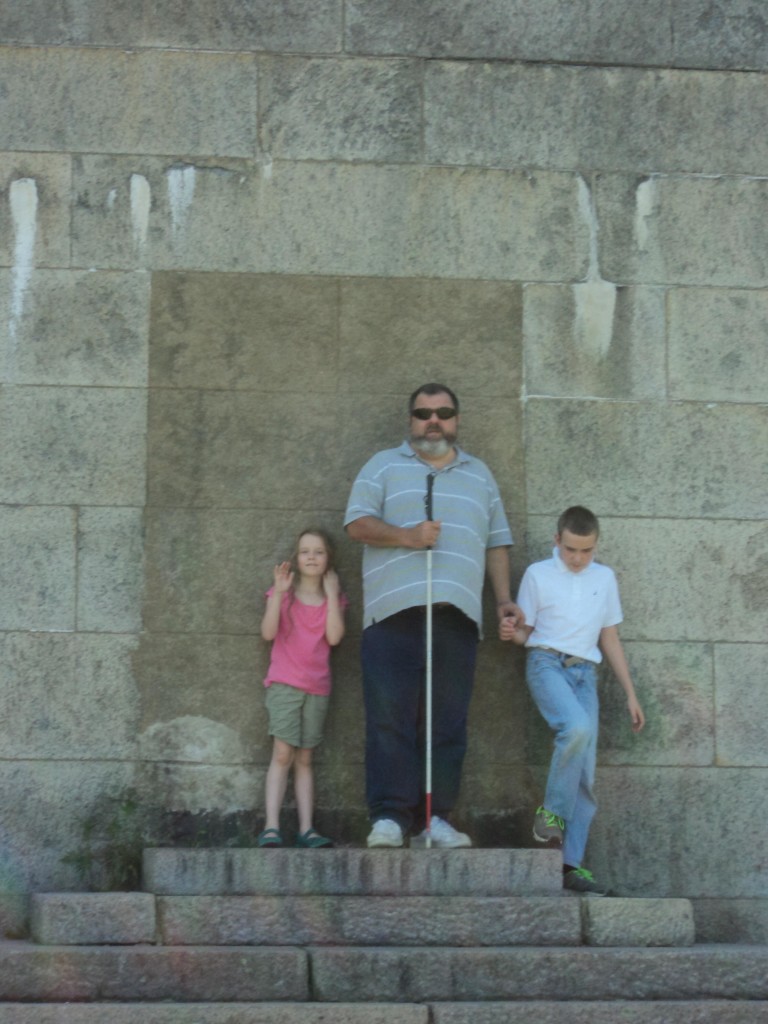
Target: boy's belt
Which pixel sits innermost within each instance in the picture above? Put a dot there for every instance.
(566, 659)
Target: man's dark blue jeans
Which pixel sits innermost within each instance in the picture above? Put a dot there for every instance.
(394, 661)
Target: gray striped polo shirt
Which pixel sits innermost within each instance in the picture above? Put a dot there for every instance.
(392, 486)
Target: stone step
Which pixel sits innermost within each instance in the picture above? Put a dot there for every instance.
(352, 872)
(135, 918)
(542, 1012)
(242, 974)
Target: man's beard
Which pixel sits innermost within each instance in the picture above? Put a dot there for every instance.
(437, 447)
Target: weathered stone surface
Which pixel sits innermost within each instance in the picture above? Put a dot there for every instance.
(34, 221)
(723, 35)
(66, 695)
(641, 459)
(638, 922)
(145, 973)
(599, 349)
(46, 804)
(740, 674)
(633, 853)
(370, 921)
(110, 577)
(272, 333)
(401, 333)
(104, 342)
(505, 29)
(731, 920)
(196, 786)
(218, 1013)
(524, 973)
(570, 117)
(209, 449)
(715, 1011)
(343, 109)
(64, 445)
(310, 218)
(717, 350)
(97, 100)
(679, 229)
(37, 563)
(353, 872)
(174, 674)
(96, 918)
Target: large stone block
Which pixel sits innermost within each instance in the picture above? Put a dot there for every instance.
(686, 229)
(678, 832)
(81, 919)
(399, 334)
(543, 1011)
(38, 568)
(593, 348)
(316, 218)
(741, 675)
(96, 100)
(227, 1013)
(589, 32)
(731, 920)
(64, 445)
(78, 328)
(110, 569)
(720, 35)
(34, 219)
(556, 116)
(185, 678)
(681, 461)
(343, 109)
(665, 566)
(146, 973)
(232, 449)
(244, 332)
(349, 872)
(46, 807)
(716, 349)
(282, 25)
(638, 922)
(67, 696)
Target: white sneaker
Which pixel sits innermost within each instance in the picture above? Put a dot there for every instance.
(385, 832)
(444, 836)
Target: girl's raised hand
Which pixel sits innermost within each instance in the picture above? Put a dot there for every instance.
(331, 583)
(283, 577)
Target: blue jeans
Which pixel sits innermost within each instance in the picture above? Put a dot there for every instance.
(567, 698)
(393, 661)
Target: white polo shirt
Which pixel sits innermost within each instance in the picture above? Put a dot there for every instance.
(568, 609)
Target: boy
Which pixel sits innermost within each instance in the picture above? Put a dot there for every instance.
(571, 605)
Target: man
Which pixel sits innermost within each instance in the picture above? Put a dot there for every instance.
(470, 537)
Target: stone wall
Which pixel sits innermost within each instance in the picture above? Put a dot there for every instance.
(233, 238)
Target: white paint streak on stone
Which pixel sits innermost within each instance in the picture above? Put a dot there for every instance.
(23, 200)
(181, 192)
(141, 201)
(266, 167)
(645, 204)
(594, 299)
(111, 199)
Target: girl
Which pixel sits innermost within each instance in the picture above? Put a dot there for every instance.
(304, 618)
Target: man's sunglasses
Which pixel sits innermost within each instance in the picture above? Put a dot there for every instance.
(445, 412)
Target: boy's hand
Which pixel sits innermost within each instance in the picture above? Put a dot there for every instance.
(283, 577)
(636, 714)
(331, 583)
(509, 610)
(507, 628)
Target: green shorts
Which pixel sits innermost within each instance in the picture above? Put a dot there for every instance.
(296, 717)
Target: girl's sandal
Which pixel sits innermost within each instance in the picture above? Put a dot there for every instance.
(269, 837)
(312, 840)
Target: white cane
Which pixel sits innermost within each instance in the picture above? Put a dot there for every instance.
(428, 675)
